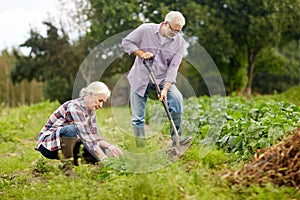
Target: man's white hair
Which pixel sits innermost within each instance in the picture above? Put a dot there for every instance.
(96, 87)
(175, 17)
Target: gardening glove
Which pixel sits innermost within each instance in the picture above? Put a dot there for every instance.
(115, 151)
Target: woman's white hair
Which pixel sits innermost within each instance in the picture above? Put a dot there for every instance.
(175, 17)
(96, 87)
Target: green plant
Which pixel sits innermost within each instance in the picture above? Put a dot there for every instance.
(43, 167)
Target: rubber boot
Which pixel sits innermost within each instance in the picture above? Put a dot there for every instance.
(66, 155)
(139, 133)
(177, 118)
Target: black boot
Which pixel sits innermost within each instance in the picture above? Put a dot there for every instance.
(139, 133)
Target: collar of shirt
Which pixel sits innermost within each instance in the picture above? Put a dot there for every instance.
(89, 112)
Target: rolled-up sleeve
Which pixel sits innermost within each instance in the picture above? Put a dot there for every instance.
(132, 40)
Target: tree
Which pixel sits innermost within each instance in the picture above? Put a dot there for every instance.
(255, 26)
(279, 69)
(52, 60)
(242, 37)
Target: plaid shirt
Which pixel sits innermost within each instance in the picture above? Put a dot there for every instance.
(71, 112)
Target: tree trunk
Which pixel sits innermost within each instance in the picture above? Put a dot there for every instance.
(251, 66)
(248, 89)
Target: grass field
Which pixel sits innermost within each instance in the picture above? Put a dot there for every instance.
(25, 174)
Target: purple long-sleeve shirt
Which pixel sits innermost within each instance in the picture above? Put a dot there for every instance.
(168, 54)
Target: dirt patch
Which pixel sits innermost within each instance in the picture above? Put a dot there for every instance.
(7, 155)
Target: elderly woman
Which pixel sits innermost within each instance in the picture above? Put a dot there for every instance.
(74, 123)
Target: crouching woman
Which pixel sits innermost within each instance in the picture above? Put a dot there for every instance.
(74, 124)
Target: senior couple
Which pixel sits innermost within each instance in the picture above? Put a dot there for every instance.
(72, 126)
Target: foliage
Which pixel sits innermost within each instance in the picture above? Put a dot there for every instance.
(241, 37)
(237, 124)
(279, 68)
(229, 36)
(52, 60)
(235, 33)
(110, 18)
(257, 26)
(242, 126)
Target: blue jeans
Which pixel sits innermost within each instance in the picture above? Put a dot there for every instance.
(138, 104)
(68, 131)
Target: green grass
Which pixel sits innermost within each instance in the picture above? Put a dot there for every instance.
(291, 95)
(25, 174)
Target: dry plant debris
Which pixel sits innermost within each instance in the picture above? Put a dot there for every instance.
(279, 164)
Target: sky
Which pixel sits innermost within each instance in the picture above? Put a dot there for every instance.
(17, 17)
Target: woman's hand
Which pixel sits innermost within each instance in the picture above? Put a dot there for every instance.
(115, 151)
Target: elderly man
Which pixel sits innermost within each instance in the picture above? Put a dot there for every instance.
(165, 43)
